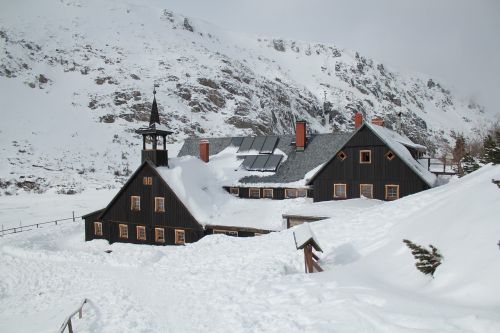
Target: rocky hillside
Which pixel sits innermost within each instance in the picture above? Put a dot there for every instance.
(76, 80)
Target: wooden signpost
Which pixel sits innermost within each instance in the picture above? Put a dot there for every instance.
(306, 240)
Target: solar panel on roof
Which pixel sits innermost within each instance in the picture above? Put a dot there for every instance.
(248, 161)
(273, 162)
(269, 145)
(259, 163)
(236, 142)
(258, 142)
(246, 144)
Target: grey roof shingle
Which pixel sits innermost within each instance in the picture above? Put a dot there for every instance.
(319, 149)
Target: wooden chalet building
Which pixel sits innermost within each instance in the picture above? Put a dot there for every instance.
(172, 204)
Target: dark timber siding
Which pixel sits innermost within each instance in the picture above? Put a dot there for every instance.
(380, 172)
(176, 216)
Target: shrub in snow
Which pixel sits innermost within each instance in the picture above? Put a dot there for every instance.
(427, 261)
(469, 164)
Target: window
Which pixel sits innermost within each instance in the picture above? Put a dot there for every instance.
(267, 193)
(98, 228)
(159, 205)
(290, 193)
(390, 155)
(141, 232)
(235, 191)
(179, 237)
(123, 230)
(342, 155)
(254, 193)
(365, 156)
(302, 193)
(159, 235)
(339, 191)
(147, 181)
(135, 203)
(391, 192)
(366, 190)
(226, 232)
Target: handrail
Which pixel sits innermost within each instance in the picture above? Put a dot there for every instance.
(67, 322)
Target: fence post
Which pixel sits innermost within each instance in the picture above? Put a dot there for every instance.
(20, 226)
(73, 216)
(70, 327)
(55, 222)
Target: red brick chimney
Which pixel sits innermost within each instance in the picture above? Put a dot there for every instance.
(300, 135)
(204, 151)
(358, 120)
(378, 121)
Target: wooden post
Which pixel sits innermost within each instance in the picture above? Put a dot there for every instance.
(73, 216)
(80, 313)
(429, 164)
(70, 327)
(55, 222)
(308, 258)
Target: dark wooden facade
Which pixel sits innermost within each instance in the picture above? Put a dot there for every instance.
(380, 172)
(278, 192)
(175, 217)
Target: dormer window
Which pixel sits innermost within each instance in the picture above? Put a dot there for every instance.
(365, 156)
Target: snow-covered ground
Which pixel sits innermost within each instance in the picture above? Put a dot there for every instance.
(225, 284)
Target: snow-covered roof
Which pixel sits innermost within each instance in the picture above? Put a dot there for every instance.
(303, 235)
(398, 145)
(199, 187)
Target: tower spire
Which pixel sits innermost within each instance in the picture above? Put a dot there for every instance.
(155, 116)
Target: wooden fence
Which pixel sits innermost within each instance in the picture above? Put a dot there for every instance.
(67, 323)
(29, 227)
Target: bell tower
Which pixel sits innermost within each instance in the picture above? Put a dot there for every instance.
(152, 136)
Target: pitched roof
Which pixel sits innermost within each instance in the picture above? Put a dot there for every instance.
(198, 186)
(296, 164)
(398, 144)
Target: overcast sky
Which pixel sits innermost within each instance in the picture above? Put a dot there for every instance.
(456, 41)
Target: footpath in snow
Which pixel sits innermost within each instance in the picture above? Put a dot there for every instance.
(226, 284)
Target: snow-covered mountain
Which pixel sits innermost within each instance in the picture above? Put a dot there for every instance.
(76, 79)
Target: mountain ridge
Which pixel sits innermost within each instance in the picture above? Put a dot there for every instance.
(99, 62)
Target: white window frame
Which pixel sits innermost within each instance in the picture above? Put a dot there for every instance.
(335, 196)
(159, 231)
(267, 190)
(179, 232)
(253, 189)
(387, 192)
(159, 208)
(123, 231)
(361, 192)
(98, 228)
(361, 154)
(137, 232)
(133, 204)
(291, 190)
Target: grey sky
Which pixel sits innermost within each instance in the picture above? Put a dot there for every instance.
(456, 41)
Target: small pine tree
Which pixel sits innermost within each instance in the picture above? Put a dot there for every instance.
(491, 148)
(427, 261)
(469, 164)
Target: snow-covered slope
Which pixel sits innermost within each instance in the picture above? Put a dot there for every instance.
(76, 80)
(226, 284)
